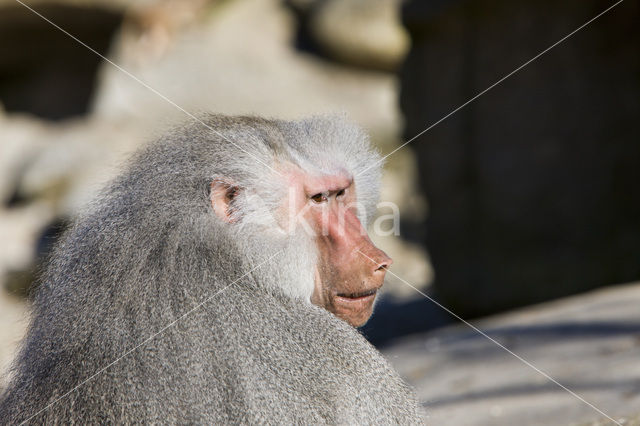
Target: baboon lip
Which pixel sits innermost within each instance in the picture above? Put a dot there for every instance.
(359, 295)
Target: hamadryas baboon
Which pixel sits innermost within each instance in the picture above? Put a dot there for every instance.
(217, 280)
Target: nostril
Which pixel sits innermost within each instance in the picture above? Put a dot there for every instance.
(383, 265)
(375, 262)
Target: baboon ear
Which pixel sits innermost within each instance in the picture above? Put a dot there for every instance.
(223, 194)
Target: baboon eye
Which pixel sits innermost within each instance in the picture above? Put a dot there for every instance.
(319, 198)
(340, 193)
(231, 193)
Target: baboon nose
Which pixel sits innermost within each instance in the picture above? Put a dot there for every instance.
(382, 263)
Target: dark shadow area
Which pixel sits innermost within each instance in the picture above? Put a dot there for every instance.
(15, 198)
(531, 187)
(392, 319)
(631, 385)
(22, 283)
(471, 345)
(565, 330)
(336, 32)
(303, 40)
(42, 70)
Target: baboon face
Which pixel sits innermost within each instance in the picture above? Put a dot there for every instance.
(350, 269)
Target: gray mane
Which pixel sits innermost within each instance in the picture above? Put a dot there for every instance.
(213, 319)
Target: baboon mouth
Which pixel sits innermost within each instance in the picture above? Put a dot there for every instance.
(360, 295)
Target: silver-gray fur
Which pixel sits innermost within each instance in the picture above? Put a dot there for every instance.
(150, 249)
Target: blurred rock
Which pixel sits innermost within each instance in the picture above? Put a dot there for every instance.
(20, 229)
(410, 263)
(588, 343)
(49, 171)
(78, 157)
(151, 27)
(14, 317)
(366, 33)
(42, 70)
(22, 281)
(532, 188)
(240, 60)
(20, 140)
(199, 55)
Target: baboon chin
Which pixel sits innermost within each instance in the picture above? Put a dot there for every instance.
(218, 279)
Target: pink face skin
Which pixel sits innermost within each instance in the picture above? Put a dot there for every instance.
(350, 269)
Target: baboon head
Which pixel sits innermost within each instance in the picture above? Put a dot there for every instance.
(311, 186)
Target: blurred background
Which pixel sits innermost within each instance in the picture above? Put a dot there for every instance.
(519, 212)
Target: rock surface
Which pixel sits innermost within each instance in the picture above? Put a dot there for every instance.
(366, 33)
(14, 317)
(234, 57)
(588, 343)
